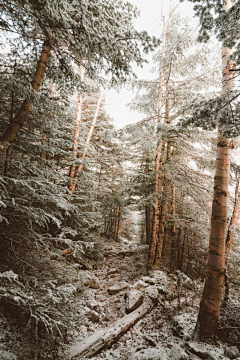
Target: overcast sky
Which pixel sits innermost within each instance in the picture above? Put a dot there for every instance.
(150, 20)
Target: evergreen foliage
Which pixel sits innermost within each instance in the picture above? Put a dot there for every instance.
(48, 234)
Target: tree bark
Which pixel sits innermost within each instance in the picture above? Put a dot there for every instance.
(18, 121)
(229, 239)
(211, 299)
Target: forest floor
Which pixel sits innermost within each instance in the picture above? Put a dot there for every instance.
(165, 333)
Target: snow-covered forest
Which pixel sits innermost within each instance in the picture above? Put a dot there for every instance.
(119, 243)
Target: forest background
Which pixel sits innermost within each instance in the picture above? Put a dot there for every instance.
(71, 181)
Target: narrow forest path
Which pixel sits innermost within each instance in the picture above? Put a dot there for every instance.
(164, 333)
(95, 299)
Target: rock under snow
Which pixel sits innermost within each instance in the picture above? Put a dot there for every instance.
(140, 285)
(116, 288)
(112, 271)
(100, 297)
(152, 292)
(149, 280)
(94, 305)
(134, 300)
(150, 354)
(93, 315)
(232, 352)
(93, 283)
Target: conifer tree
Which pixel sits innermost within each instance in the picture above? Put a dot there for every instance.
(211, 299)
(78, 30)
(179, 80)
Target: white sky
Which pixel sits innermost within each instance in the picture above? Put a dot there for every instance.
(150, 20)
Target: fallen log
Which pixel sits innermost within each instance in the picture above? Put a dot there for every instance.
(105, 338)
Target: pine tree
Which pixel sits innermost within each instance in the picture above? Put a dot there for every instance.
(179, 79)
(80, 31)
(211, 298)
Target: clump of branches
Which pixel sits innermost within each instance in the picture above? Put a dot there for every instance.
(40, 314)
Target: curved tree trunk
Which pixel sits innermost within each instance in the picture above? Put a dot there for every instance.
(18, 121)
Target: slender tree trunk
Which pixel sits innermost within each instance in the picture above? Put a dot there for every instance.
(173, 231)
(152, 249)
(229, 239)
(142, 232)
(180, 251)
(211, 299)
(117, 223)
(188, 256)
(90, 133)
(18, 121)
(164, 209)
(147, 213)
(176, 239)
(162, 217)
(108, 223)
(164, 246)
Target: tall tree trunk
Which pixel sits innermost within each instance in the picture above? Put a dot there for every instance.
(180, 250)
(90, 133)
(164, 209)
(162, 217)
(115, 236)
(152, 249)
(229, 239)
(176, 240)
(147, 212)
(142, 232)
(211, 299)
(188, 255)
(173, 232)
(18, 121)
